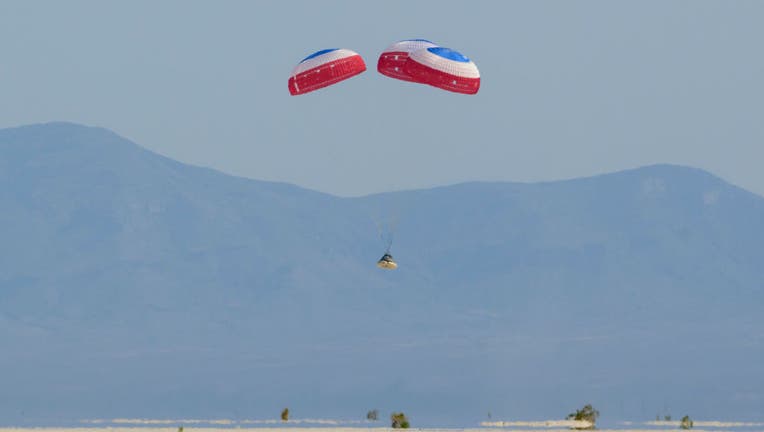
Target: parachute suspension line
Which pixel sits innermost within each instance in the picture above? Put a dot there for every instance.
(386, 234)
(392, 226)
(389, 243)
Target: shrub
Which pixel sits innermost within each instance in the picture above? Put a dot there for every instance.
(285, 414)
(686, 423)
(587, 414)
(372, 415)
(399, 421)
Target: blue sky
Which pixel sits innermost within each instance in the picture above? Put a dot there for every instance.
(568, 88)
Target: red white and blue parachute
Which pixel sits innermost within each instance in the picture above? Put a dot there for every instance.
(415, 60)
(392, 60)
(324, 68)
(443, 68)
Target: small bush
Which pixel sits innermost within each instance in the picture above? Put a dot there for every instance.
(372, 415)
(399, 421)
(686, 423)
(285, 414)
(587, 414)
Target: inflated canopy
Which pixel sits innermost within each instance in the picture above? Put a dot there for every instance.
(324, 68)
(443, 68)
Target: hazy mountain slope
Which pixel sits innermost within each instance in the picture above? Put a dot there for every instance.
(134, 285)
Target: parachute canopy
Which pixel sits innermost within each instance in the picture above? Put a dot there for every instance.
(443, 68)
(387, 262)
(394, 57)
(324, 68)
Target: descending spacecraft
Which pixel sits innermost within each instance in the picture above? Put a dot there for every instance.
(387, 262)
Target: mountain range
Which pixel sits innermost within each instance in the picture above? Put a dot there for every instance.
(133, 285)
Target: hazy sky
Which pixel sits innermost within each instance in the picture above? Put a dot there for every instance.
(568, 88)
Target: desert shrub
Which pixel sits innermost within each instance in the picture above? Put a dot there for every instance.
(285, 414)
(587, 414)
(399, 420)
(372, 415)
(686, 423)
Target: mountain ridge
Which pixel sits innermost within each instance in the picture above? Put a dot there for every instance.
(70, 127)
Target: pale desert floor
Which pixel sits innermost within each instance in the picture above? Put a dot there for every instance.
(529, 426)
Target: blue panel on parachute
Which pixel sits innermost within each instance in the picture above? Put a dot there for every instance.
(448, 53)
(318, 53)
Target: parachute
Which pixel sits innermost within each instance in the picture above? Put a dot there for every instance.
(324, 68)
(443, 68)
(392, 60)
(387, 262)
